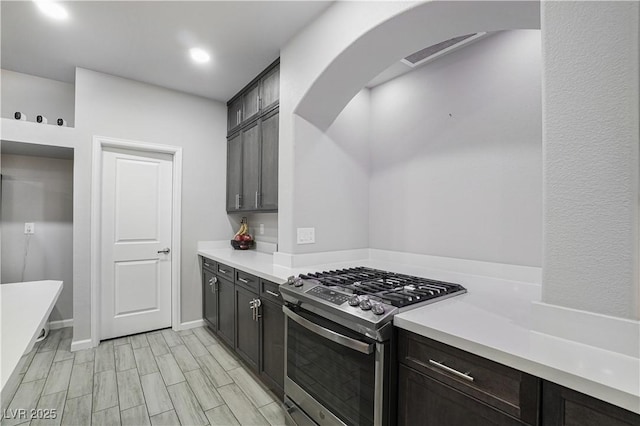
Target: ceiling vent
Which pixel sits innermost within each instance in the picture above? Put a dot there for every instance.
(440, 49)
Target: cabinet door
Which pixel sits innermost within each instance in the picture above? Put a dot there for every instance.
(272, 346)
(250, 167)
(565, 407)
(270, 88)
(234, 172)
(210, 299)
(226, 317)
(247, 327)
(269, 171)
(234, 114)
(251, 102)
(425, 401)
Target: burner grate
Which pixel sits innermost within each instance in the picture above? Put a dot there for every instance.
(395, 289)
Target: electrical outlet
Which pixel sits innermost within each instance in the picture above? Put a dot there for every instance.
(262, 229)
(29, 227)
(306, 235)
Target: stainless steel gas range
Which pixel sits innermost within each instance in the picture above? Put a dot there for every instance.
(339, 342)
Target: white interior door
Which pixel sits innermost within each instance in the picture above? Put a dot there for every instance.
(135, 287)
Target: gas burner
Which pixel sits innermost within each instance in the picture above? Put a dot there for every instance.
(394, 289)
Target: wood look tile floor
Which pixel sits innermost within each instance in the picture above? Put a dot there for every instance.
(157, 378)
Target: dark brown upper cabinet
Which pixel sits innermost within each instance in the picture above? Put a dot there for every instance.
(257, 98)
(252, 144)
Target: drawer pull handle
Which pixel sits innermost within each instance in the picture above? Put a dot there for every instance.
(243, 280)
(457, 373)
(224, 271)
(274, 294)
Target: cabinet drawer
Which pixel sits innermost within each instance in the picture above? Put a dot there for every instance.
(425, 401)
(250, 282)
(209, 264)
(509, 390)
(225, 271)
(271, 291)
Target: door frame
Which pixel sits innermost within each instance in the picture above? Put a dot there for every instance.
(99, 145)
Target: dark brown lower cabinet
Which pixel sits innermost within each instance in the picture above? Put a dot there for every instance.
(247, 328)
(426, 401)
(256, 335)
(272, 347)
(441, 385)
(226, 312)
(566, 407)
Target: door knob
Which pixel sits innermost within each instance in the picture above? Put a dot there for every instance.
(165, 251)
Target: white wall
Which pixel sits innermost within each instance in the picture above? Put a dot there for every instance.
(332, 180)
(591, 117)
(302, 60)
(457, 155)
(39, 190)
(120, 108)
(324, 66)
(36, 96)
(115, 107)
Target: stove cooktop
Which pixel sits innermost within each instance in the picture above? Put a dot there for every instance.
(391, 288)
(364, 299)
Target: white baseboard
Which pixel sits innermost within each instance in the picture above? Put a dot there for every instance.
(190, 324)
(54, 325)
(79, 345)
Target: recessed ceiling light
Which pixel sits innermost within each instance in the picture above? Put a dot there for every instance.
(199, 55)
(52, 9)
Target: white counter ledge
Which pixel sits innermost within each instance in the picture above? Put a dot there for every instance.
(25, 307)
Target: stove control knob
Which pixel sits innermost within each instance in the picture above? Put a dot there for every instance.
(354, 301)
(365, 305)
(377, 309)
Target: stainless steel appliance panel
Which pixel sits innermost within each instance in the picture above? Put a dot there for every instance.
(335, 375)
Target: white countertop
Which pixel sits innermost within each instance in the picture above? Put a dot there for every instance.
(493, 320)
(261, 264)
(25, 309)
(496, 325)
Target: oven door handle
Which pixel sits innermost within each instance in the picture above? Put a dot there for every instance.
(357, 345)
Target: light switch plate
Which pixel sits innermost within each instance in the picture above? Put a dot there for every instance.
(29, 228)
(306, 235)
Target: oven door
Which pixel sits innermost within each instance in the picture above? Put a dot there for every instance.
(333, 374)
